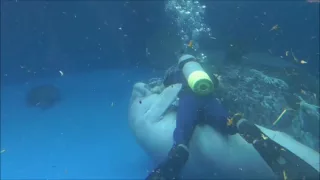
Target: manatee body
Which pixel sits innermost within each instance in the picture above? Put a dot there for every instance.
(44, 96)
(212, 155)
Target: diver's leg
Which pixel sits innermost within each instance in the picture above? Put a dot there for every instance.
(217, 116)
(187, 118)
(187, 114)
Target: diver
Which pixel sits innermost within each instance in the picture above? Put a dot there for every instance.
(197, 104)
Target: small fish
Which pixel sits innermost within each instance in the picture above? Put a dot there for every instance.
(2, 151)
(61, 73)
(275, 27)
(190, 44)
(303, 62)
(303, 92)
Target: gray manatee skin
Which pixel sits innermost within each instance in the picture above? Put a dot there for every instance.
(212, 155)
(43, 97)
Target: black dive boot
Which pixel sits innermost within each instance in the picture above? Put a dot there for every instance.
(170, 169)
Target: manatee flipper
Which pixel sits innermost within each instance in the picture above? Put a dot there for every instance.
(167, 97)
(304, 152)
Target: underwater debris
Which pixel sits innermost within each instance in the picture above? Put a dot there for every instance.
(280, 116)
(287, 53)
(275, 27)
(303, 62)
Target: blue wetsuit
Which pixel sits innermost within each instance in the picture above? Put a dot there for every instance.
(194, 109)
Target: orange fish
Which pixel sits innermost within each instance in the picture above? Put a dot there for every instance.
(190, 44)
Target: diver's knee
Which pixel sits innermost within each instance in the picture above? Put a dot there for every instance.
(184, 146)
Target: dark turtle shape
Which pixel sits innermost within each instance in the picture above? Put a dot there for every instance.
(44, 96)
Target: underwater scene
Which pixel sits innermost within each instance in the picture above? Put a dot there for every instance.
(160, 89)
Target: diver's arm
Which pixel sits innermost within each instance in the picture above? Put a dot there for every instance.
(172, 76)
(284, 163)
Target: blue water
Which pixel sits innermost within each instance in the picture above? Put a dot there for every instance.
(85, 136)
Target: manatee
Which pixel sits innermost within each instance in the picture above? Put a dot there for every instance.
(43, 97)
(212, 155)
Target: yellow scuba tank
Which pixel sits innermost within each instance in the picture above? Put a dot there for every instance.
(198, 80)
